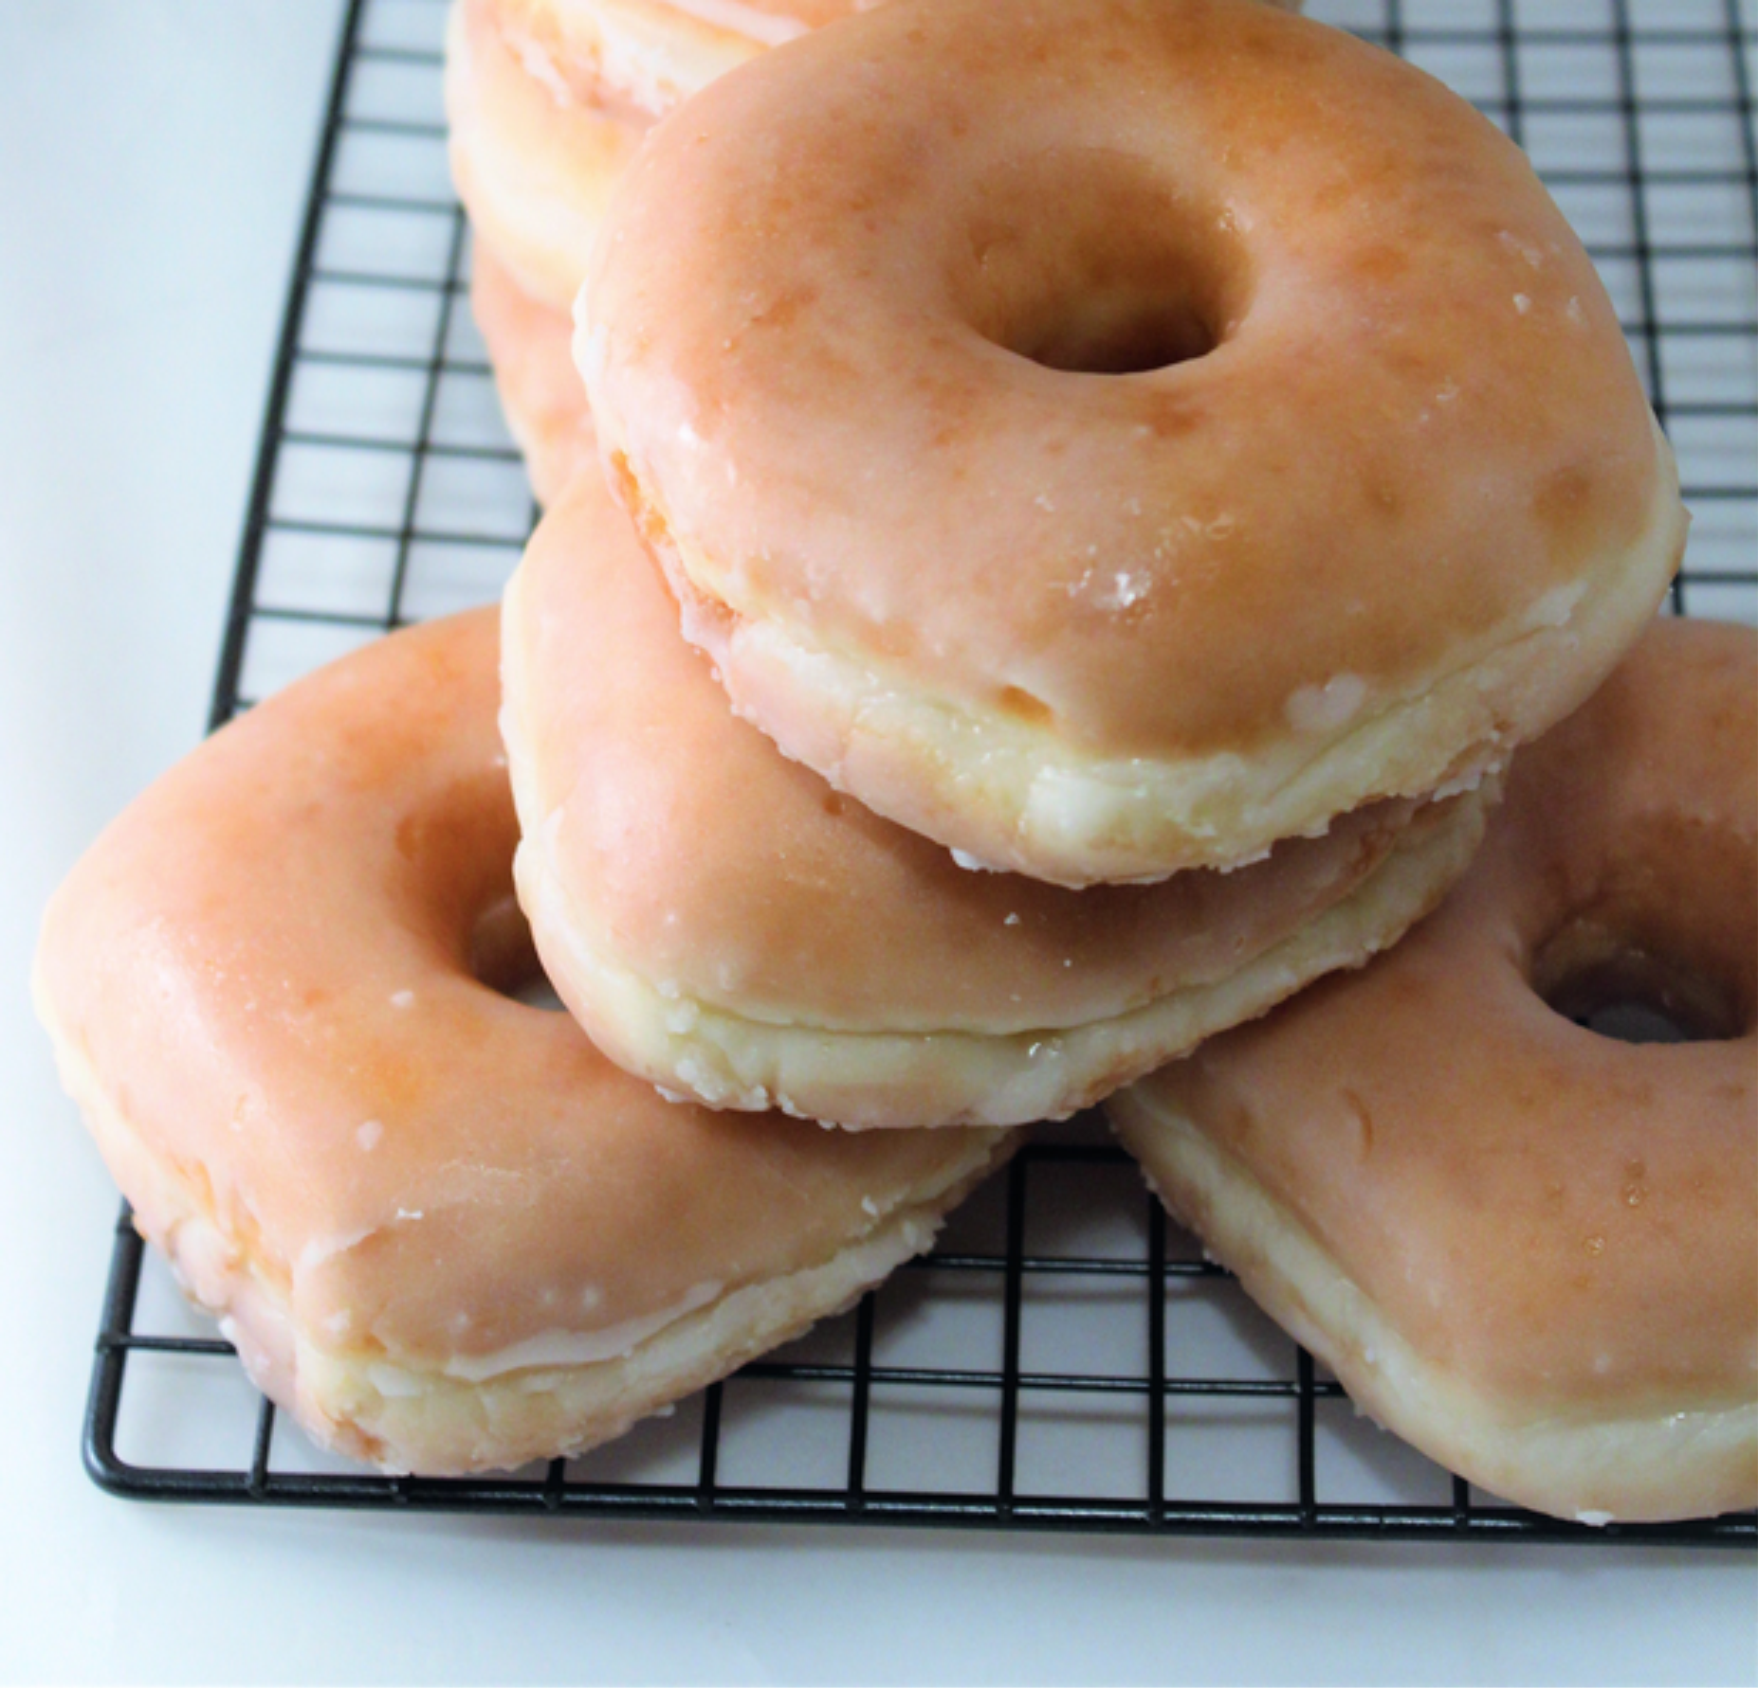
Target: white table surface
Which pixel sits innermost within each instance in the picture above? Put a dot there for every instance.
(153, 158)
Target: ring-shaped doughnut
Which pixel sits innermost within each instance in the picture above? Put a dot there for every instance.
(726, 925)
(441, 1228)
(1121, 433)
(1530, 1249)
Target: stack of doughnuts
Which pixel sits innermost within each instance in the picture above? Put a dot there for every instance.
(730, 926)
(1059, 521)
(1014, 534)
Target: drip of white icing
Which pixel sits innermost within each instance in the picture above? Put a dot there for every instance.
(577, 1348)
(1323, 709)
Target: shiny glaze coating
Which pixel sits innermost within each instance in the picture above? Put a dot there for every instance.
(533, 166)
(547, 100)
(649, 56)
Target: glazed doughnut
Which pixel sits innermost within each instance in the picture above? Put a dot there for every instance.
(1296, 461)
(440, 1227)
(727, 926)
(539, 388)
(1529, 1249)
(532, 163)
(647, 57)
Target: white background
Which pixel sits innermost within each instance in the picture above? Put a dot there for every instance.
(153, 159)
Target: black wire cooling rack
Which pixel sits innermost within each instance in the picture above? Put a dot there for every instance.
(1065, 1359)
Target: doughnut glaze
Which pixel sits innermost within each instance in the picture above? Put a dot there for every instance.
(1111, 472)
(1530, 1249)
(533, 162)
(441, 1228)
(538, 386)
(650, 56)
(725, 924)
(647, 57)
(548, 99)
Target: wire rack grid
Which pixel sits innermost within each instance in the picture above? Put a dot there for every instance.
(1065, 1358)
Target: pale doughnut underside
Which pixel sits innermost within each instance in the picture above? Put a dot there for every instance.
(857, 1079)
(726, 926)
(407, 1413)
(1018, 800)
(1592, 1466)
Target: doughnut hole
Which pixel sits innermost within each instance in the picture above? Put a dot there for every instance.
(1663, 949)
(1590, 975)
(503, 955)
(1085, 262)
(454, 886)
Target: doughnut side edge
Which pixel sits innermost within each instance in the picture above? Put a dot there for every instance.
(404, 1417)
(1572, 1465)
(996, 793)
(878, 1079)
